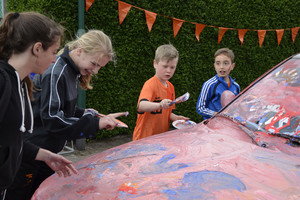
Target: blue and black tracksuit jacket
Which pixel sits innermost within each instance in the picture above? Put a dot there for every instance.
(209, 100)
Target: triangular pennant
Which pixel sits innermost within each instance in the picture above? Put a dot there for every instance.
(176, 25)
(294, 33)
(261, 36)
(88, 4)
(198, 30)
(150, 18)
(279, 35)
(242, 33)
(222, 31)
(123, 10)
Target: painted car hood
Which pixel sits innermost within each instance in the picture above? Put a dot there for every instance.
(250, 150)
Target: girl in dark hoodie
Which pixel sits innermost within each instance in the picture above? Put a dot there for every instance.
(28, 44)
(56, 114)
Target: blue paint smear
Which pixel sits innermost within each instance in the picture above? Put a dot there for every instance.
(100, 176)
(162, 166)
(136, 150)
(298, 173)
(124, 195)
(91, 166)
(165, 159)
(201, 185)
(120, 154)
(261, 157)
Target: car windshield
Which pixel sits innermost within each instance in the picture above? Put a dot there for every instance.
(272, 104)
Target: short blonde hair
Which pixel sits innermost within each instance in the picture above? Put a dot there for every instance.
(166, 51)
(227, 52)
(92, 42)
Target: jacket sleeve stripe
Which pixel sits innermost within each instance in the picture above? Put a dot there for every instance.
(202, 101)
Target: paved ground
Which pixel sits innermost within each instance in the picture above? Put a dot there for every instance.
(97, 146)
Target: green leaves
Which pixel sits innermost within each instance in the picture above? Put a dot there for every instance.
(117, 88)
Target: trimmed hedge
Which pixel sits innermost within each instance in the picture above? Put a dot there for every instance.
(118, 85)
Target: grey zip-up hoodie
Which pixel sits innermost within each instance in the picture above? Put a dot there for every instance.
(56, 114)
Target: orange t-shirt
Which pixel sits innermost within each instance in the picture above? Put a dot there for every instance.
(158, 121)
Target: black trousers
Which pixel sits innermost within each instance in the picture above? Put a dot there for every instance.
(27, 180)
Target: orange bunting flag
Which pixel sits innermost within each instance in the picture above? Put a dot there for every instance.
(222, 31)
(176, 25)
(242, 33)
(279, 35)
(261, 36)
(123, 10)
(88, 4)
(198, 30)
(294, 33)
(150, 18)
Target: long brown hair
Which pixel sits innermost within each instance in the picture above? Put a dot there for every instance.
(19, 31)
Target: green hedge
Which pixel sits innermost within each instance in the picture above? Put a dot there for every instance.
(118, 85)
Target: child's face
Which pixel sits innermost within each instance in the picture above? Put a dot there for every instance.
(223, 65)
(165, 69)
(91, 64)
(45, 58)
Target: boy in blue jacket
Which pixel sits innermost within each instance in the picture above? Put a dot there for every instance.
(209, 100)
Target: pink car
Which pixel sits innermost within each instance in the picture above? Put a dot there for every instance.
(249, 150)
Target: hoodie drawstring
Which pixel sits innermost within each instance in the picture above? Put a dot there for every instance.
(21, 94)
(22, 128)
(30, 109)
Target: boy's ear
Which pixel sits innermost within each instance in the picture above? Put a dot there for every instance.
(154, 63)
(232, 66)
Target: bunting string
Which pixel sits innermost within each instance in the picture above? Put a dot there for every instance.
(124, 8)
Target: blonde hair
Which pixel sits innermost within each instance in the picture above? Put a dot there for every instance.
(166, 51)
(92, 42)
(227, 52)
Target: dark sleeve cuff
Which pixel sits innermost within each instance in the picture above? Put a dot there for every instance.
(30, 151)
(79, 112)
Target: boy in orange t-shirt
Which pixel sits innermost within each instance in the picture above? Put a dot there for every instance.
(154, 111)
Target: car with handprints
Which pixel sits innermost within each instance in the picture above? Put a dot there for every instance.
(249, 150)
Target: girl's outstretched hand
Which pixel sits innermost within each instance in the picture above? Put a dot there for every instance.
(57, 163)
(109, 122)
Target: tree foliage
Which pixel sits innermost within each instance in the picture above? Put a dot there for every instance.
(117, 86)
